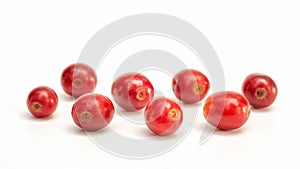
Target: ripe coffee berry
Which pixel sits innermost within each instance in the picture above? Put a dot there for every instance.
(42, 101)
(260, 90)
(190, 86)
(78, 79)
(132, 91)
(92, 112)
(226, 110)
(163, 116)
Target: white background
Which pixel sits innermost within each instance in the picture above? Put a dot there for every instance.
(39, 39)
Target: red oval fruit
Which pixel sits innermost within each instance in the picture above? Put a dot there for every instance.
(78, 79)
(163, 116)
(226, 110)
(92, 111)
(190, 86)
(260, 90)
(132, 91)
(42, 101)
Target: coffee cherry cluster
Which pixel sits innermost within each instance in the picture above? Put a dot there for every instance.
(225, 110)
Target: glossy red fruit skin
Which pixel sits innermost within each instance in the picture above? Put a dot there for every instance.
(226, 110)
(132, 91)
(190, 86)
(92, 111)
(78, 79)
(42, 101)
(163, 116)
(260, 90)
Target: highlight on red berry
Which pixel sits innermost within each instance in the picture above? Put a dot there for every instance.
(78, 79)
(42, 101)
(92, 111)
(226, 110)
(132, 91)
(190, 86)
(163, 116)
(260, 90)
